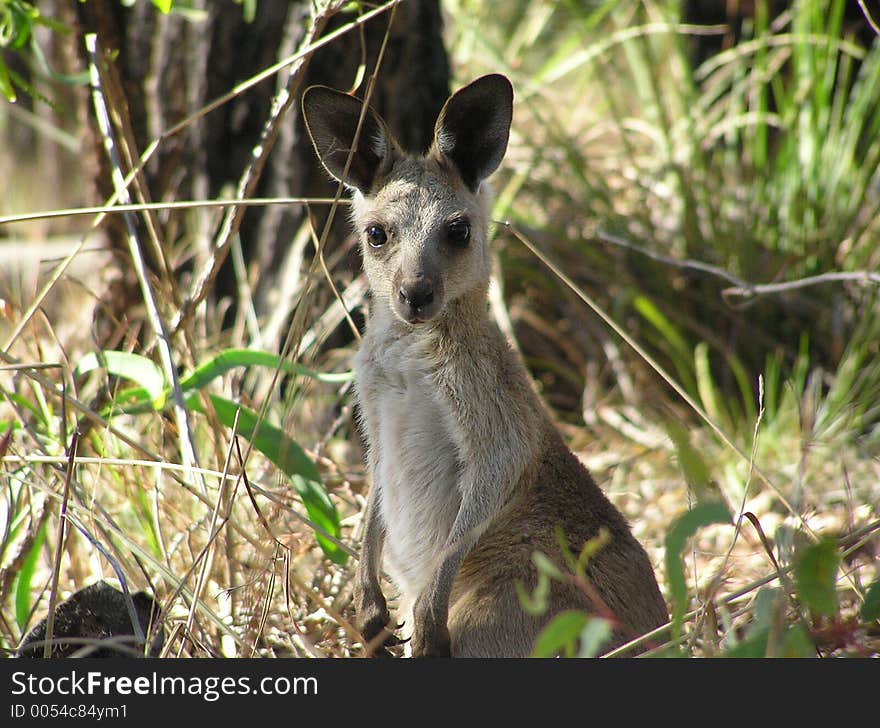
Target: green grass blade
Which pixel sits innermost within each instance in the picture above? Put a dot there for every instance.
(693, 465)
(26, 404)
(135, 367)
(133, 400)
(24, 579)
(230, 359)
(706, 388)
(6, 87)
(676, 347)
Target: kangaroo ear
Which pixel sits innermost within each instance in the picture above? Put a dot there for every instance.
(331, 119)
(474, 125)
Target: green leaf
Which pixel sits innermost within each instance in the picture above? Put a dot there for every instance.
(593, 637)
(230, 359)
(815, 574)
(769, 602)
(681, 530)
(535, 603)
(794, 642)
(6, 87)
(28, 405)
(163, 5)
(870, 611)
(249, 11)
(768, 619)
(227, 360)
(546, 566)
(291, 459)
(25, 577)
(751, 647)
(649, 311)
(129, 366)
(590, 549)
(561, 634)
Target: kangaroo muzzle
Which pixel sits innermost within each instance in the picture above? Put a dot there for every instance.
(417, 300)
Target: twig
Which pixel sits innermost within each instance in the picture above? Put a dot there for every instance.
(123, 644)
(751, 289)
(213, 533)
(620, 242)
(120, 575)
(679, 390)
(80, 407)
(321, 243)
(41, 296)
(741, 288)
(173, 468)
(188, 121)
(333, 287)
(59, 546)
(138, 550)
(869, 17)
(716, 581)
(101, 213)
(187, 444)
(267, 73)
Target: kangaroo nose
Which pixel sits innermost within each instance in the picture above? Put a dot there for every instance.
(417, 293)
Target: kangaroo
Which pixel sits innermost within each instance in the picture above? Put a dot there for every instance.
(469, 474)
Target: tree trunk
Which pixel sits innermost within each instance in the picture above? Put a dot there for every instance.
(171, 65)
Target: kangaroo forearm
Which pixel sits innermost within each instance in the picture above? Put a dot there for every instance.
(485, 493)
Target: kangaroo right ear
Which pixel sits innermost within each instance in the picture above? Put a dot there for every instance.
(331, 119)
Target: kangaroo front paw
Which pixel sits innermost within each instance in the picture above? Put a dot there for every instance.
(380, 639)
(376, 631)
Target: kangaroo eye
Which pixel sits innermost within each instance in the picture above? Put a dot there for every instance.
(459, 233)
(376, 236)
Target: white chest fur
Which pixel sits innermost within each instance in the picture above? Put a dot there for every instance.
(414, 457)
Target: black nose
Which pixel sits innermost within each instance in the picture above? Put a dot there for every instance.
(417, 293)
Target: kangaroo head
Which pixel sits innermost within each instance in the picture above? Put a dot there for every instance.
(422, 221)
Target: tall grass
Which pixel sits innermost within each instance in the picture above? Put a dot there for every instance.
(758, 164)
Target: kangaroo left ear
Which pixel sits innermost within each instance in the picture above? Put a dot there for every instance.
(473, 127)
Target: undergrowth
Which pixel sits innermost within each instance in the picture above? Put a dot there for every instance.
(677, 192)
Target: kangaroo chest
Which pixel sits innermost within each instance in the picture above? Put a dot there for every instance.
(414, 458)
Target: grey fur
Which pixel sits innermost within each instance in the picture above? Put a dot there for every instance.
(470, 476)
